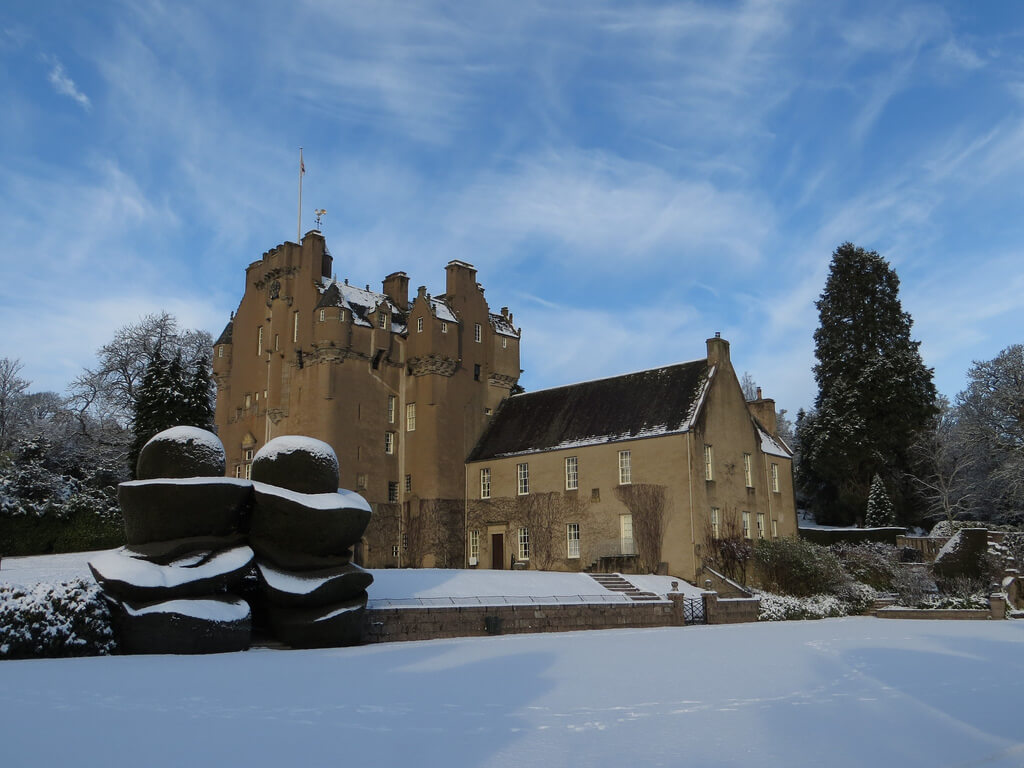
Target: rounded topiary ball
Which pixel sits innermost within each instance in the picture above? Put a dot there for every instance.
(302, 464)
(181, 452)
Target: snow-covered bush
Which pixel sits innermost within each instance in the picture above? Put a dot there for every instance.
(788, 608)
(53, 620)
(870, 563)
(913, 584)
(957, 602)
(858, 598)
(797, 567)
(880, 512)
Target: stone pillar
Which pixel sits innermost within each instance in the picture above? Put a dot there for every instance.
(710, 606)
(997, 605)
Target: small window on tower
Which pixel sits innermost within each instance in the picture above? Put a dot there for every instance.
(383, 320)
(477, 333)
(419, 325)
(444, 327)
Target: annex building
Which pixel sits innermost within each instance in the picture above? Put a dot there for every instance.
(416, 394)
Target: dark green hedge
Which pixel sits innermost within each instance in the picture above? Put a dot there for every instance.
(80, 530)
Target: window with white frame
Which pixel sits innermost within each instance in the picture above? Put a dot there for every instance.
(775, 477)
(341, 315)
(504, 342)
(248, 471)
(382, 319)
(523, 474)
(419, 325)
(323, 314)
(295, 327)
(392, 492)
(444, 327)
(391, 409)
(709, 460)
(572, 475)
(394, 550)
(277, 342)
(748, 475)
(259, 340)
(760, 525)
(485, 483)
(474, 544)
(746, 525)
(524, 543)
(625, 468)
(572, 535)
(248, 400)
(410, 417)
(478, 333)
(389, 442)
(220, 351)
(716, 524)
(238, 470)
(775, 529)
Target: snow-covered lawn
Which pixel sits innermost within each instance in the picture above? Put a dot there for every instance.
(838, 692)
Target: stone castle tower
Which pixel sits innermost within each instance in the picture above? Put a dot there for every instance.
(401, 389)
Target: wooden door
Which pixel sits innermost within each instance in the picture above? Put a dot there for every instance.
(497, 551)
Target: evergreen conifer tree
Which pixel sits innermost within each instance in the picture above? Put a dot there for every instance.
(875, 394)
(880, 511)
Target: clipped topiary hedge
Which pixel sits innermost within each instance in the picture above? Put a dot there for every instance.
(54, 620)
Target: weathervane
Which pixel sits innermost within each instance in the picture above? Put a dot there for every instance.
(319, 215)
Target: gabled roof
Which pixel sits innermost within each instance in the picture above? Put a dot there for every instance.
(661, 401)
(360, 302)
(771, 444)
(442, 311)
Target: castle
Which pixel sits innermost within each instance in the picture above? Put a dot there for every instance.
(417, 398)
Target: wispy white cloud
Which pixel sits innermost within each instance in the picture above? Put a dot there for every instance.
(65, 86)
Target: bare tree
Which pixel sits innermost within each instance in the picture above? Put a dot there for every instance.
(647, 506)
(443, 523)
(12, 396)
(729, 551)
(749, 386)
(945, 473)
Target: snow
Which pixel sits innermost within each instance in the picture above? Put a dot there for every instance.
(186, 435)
(301, 583)
(190, 481)
(198, 608)
(51, 569)
(837, 692)
(140, 573)
(442, 311)
(662, 585)
(773, 446)
(339, 611)
(342, 499)
(292, 443)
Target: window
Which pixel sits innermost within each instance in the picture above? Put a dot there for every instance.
(775, 529)
(504, 342)
(295, 327)
(523, 472)
(716, 529)
(775, 477)
(248, 454)
(444, 327)
(485, 483)
(572, 535)
(361, 480)
(389, 442)
(248, 471)
(408, 483)
(760, 525)
(474, 545)
(220, 351)
(391, 409)
(259, 340)
(277, 342)
(625, 468)
(248, 401)
(394, 551)
(476, 372)
(477, 332)
(382, 318)
(709, 458)
(392, 492)
(341, 315)
(572, 475)
(419, 325)
(524, 541)
(257, 397)
(323, 314)
(748, 477)
(410, 417)
(238, 470)
(405, 541)
(746, 525)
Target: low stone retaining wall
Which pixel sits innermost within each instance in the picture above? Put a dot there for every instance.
(932, 613)
(391, 624)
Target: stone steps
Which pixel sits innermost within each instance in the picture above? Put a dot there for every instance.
(616, 583)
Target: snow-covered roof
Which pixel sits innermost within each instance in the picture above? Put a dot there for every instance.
(361, 302)
(442, 311)
(771, 445)
(653, 403)
(502, 326)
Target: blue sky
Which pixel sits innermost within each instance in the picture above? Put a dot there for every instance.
(628, 177)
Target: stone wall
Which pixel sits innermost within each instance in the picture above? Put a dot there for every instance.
(392, 624)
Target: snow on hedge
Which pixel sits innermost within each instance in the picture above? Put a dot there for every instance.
(51, 620)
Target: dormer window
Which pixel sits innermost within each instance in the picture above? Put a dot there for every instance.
(419, 325)
(383, 320)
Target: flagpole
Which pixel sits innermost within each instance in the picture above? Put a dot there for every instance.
(302, 170)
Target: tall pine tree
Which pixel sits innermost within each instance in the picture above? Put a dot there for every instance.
(875, 394)
(171, 395)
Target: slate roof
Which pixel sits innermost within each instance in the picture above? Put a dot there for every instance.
(360, 302)
(502, 326)
(660, 401)
(225, 335)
